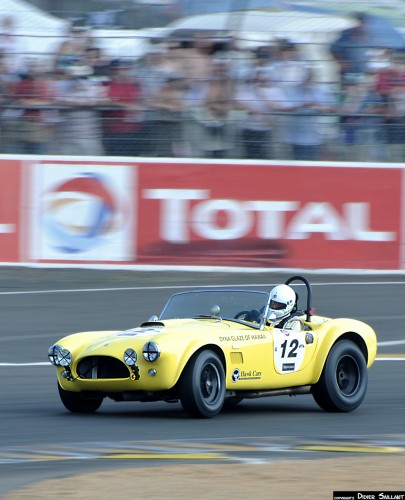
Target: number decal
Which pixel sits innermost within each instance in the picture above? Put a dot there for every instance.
(292, 352)
(289, 351)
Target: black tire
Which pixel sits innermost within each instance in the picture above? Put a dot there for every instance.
(74, 402)
(343, 383)
(202, 385)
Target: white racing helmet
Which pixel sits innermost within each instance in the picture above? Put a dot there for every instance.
(282, 301)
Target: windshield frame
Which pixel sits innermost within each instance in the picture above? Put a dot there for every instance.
(223, 298)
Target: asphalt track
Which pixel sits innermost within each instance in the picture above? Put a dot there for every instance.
(39, 439)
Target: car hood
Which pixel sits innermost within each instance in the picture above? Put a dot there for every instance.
(168, 331)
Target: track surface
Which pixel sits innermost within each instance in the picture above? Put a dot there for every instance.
(39, 439)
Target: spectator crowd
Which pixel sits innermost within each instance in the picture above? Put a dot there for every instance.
(202, 98)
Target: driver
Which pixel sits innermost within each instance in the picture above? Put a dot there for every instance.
(282, 302)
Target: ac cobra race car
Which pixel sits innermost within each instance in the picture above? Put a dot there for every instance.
(211, 348)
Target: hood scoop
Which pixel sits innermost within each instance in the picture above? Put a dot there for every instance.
(152, 323)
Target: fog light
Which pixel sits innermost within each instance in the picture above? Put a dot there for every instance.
(152, 372)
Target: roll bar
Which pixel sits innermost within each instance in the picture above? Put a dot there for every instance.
(309, 293)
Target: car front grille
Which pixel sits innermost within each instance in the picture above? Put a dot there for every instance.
(105, 367)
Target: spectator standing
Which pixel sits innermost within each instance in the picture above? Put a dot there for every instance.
(9, 116)
(11, 45)
(391, 86)
(304, 131)
(122, 124)
(288, 70)
(170, 107)
(79, 129)
(350, 50)
(73, 48)
(258, 97)
(289, 67)
(32, 93)
(152, 75)
(362, 115)
(216, 118)
(198, 59)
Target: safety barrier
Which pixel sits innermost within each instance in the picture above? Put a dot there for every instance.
(123, 211)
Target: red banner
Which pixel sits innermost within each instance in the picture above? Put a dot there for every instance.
(201, 213)
(270, 215)
(10, 203)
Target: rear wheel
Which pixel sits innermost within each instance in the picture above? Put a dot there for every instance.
(343, 383)
(202, 385)
(74, 402)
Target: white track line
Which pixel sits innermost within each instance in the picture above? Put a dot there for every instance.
(179, 287)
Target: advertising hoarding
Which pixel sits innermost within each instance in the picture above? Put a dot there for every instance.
(243, 214)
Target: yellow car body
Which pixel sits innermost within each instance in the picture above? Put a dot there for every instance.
(211, 359)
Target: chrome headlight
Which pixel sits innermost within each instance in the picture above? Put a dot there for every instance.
(52, 354)
(130, 357)
(151, 352)
(59, 356)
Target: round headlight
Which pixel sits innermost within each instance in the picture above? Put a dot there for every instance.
(52, 354)
(130, 357)
(64, 357)
(59, 356)
(151, 352)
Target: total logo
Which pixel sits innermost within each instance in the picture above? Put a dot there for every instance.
(185, 213)
(81, 213)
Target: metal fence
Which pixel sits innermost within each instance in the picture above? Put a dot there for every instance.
(203, 95)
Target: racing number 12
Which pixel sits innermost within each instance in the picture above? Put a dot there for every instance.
(293, 348)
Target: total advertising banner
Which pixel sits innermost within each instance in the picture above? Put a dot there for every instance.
(10, 205)
(201, 213)
(285, 215)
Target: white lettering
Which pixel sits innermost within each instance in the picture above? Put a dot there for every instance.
(358, 217)
(225, 219)
(205, 220)
(271, 217)
(174, 210)
(318, 218)
(7, 228)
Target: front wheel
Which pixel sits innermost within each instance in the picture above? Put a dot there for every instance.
(74, 402)
(202, 385)
(343, 383)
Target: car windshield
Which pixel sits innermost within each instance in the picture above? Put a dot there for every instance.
(227, 304)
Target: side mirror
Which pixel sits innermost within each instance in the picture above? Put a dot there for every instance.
(215, 310)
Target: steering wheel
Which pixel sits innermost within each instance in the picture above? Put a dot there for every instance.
(252, 316)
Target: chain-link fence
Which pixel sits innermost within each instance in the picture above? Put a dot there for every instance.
(304, 86)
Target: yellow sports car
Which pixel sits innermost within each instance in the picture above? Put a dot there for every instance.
(212, 348)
